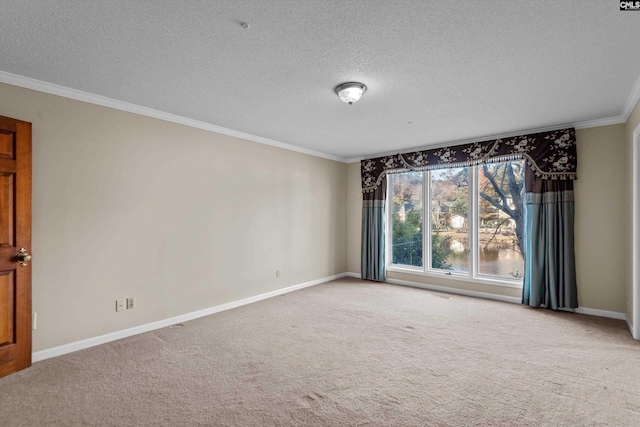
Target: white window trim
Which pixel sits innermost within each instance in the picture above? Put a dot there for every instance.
(471, 276)
(458, 277)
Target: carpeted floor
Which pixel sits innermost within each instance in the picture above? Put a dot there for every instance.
(346, 353)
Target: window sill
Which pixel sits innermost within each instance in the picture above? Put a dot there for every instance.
(457, 277)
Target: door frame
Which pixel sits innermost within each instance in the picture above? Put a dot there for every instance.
(634, 322)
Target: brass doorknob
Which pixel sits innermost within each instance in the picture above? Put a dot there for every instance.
(23, 257)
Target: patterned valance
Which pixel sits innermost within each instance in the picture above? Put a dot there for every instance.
(551, 155)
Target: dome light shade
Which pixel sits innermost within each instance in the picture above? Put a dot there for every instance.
(350, 92)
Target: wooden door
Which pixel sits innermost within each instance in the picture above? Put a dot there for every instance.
(15, 234)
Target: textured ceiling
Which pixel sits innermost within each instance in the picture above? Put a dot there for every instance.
(437, 71)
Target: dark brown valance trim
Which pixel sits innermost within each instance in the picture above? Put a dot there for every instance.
(550, 155)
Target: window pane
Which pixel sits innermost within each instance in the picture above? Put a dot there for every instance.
(501, 222)
(406, 245)
(449, 219)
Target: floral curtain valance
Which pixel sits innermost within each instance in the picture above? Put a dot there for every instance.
(550, 155)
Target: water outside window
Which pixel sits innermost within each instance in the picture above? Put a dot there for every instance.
(449, 219)
(501, 220)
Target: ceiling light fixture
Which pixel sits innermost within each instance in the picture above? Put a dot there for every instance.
(350, 92)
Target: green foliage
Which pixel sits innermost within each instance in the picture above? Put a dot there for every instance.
(407, 242)
(407, 238)
(407, 219)
(440, 251)
(460, 205)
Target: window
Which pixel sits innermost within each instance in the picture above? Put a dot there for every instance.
(407, 219)
(474, 221)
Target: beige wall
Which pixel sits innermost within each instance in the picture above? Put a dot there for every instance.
(601, 194)
(185, 219)
(632, 123)
(354, 217)
(181, 218)
(600, 198)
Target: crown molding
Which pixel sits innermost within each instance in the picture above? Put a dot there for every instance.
(577, 125)
(78, 95)
(632, 101)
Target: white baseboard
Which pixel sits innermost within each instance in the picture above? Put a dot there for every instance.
(515, 300)
(102, 339)
(601, 313)
(630, 326)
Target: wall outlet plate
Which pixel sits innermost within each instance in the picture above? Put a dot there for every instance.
(120, 305)
(131, 303)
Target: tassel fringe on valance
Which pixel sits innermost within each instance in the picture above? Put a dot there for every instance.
(550, 155)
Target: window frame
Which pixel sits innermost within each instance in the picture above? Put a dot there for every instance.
(472, 219)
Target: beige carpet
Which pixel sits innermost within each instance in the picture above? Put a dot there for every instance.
(346, 353)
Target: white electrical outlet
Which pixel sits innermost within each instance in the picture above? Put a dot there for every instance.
(277, 273)
(131, 303)
(120, 305)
